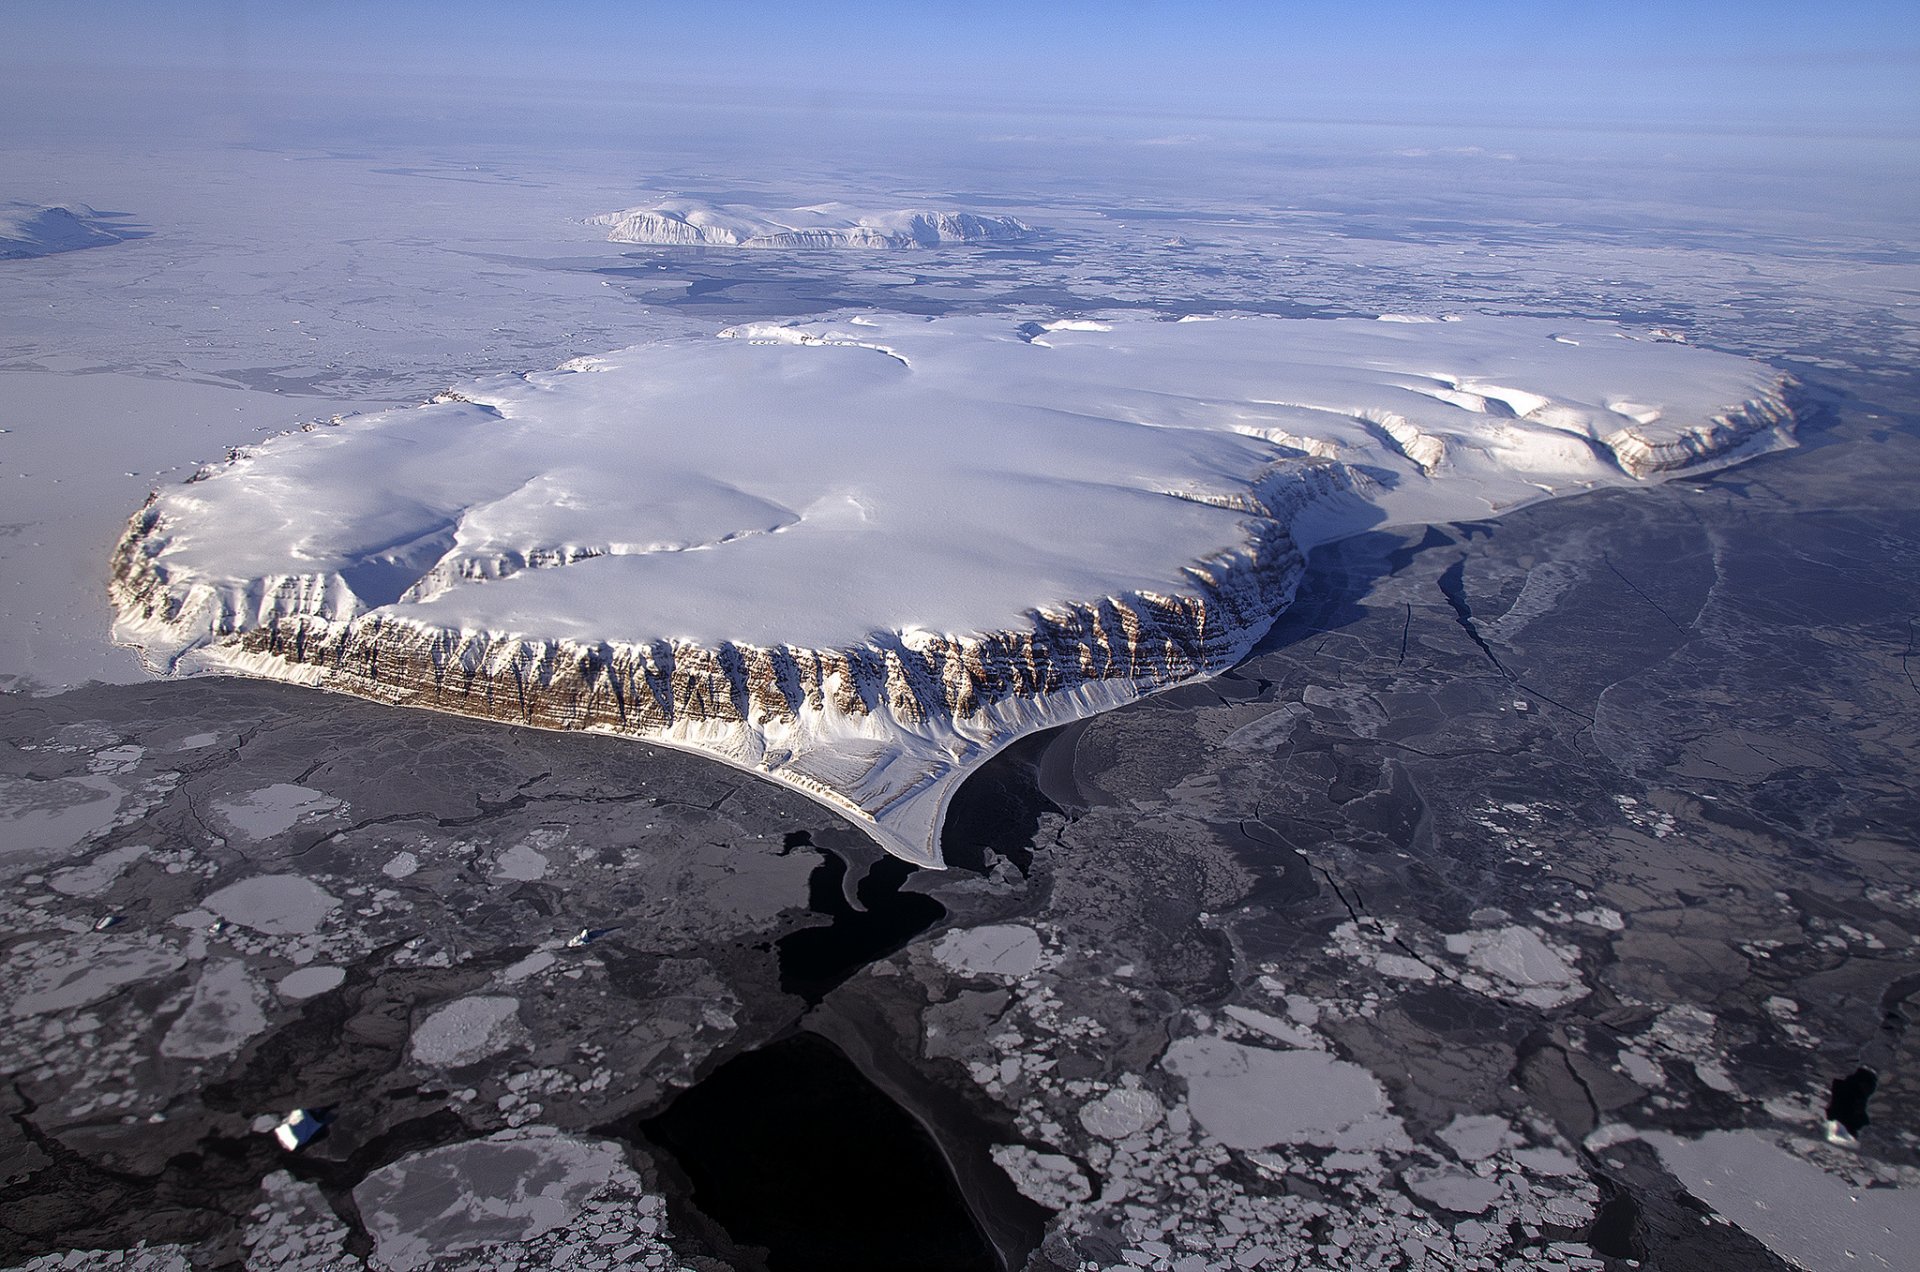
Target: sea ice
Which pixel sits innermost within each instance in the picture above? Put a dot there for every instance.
(223, 1013)
(511, 1186)
(1251, 1097)
(1001, 949)
(68, 976)
(1801, 1212)
(310, 982)
(468, 1030)
(278, 905)
(859, 558)
(278, 808)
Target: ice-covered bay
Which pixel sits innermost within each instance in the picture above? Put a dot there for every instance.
(859, 557)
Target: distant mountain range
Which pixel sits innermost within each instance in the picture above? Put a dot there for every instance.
(30, 229)
(681, 223)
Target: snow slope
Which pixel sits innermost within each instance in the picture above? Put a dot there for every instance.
(682, 223)
(28, 229)
(860, 557)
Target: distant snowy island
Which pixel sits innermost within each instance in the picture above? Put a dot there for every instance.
(860, 557)
(681, 223)
(32, 229)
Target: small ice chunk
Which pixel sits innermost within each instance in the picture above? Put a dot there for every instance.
(1546, 1161)
(278, 905)
(225, 1011)
(1049, 1179)
(80, 976)
(1250, 1097)
(513, 1186)
(310, 982)
(1475, 1137)
(1451, 1188)
(1273, 1027)
(1121, 1112)
(278, 808)
(520, 864)
(97, 875)
(1002, 949)
(532, 965)
(1642, 1070)
(468, 1030)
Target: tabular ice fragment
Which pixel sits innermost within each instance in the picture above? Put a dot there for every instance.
(859, 558)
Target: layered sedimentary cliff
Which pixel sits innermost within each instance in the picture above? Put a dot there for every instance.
(859, 560)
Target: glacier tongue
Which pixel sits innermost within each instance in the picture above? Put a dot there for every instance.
(860, 557)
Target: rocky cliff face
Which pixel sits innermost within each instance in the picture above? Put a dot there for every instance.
(929, 704)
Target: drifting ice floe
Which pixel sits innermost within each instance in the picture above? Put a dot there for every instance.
(678, 223)
(858, 558)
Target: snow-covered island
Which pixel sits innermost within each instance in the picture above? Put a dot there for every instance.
(32, 229)
(860, 557)
(683, 223)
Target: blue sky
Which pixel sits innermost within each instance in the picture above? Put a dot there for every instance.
(1761, 63)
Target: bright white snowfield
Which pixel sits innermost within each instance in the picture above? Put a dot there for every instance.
(681, 223)
(860, 557)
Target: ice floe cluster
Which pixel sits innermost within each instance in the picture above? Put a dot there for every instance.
(1248, 1143)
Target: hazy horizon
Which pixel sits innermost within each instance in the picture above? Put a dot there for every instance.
(1762, 67)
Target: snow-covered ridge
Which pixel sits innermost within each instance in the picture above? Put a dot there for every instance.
(858, 558)
(29, 229)
(676, 222)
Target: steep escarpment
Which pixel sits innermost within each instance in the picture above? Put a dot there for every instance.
(859, 559)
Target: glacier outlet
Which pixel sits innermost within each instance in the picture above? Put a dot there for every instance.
(680, 223)
(859, 557)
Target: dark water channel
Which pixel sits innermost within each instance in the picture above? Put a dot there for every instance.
(880, 920)
(805, 1164)
(790, 1157)
(1850, 1095)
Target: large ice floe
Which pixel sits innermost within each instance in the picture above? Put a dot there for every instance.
(682, 223)
(859, 557)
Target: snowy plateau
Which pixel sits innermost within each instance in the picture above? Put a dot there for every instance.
(859, 557)
(678, 223)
